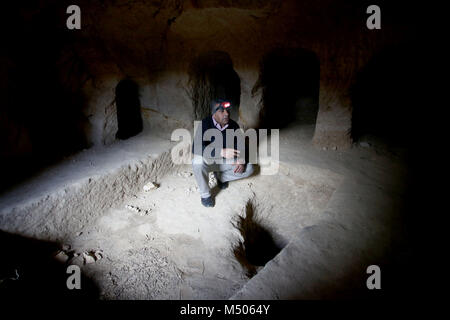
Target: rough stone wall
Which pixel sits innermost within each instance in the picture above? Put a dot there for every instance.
(155, 43)
(158, 44)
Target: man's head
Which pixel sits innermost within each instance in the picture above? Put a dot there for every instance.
(220, 110)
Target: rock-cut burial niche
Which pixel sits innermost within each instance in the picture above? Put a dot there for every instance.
(129, 118)
(211, 76)
(289, 79)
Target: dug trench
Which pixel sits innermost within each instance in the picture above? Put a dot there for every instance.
(257, 246)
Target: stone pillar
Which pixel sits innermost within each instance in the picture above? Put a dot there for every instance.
(101, 111)
(333, 119)
(250, 101)
(337, 71)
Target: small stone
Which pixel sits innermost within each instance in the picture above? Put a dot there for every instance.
(150, 186)
(98, 255)
(185, 174)
(66, 247)
(132, 208)
(334, 148)
(325, 148)
(88, 258)
(62, 257)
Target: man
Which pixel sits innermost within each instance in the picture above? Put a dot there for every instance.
(230, 166)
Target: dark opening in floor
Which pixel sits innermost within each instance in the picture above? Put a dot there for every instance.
(129, 118)
(257, 246)
(289, 79)
(211, 76)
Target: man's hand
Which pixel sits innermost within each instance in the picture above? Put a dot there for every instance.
(229, 153)
(240, 166)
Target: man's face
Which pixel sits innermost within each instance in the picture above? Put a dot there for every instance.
(222, 116)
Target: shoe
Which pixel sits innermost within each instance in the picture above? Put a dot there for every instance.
(208, 202)
(222, 185)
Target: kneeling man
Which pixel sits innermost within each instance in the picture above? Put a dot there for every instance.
(229, 164)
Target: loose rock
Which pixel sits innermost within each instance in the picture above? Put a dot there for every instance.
(88, 258)
(62, 257)
(150, 186)
(137, 209)
(185, 174)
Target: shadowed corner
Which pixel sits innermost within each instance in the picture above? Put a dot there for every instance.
(289, 79)
(257, 246)
(29, 271)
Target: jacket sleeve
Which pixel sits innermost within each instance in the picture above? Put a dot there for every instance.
(198, 145)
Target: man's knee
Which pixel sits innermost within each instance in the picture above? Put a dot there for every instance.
(248, 170)
(198, 164)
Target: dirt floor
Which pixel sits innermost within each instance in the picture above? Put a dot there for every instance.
(163, 244)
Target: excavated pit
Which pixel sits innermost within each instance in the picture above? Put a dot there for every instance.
(257, 246)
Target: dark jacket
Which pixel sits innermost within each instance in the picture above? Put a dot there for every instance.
(208, 123)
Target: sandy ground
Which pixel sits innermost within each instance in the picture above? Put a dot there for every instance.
(186, 247)
(174, 248)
